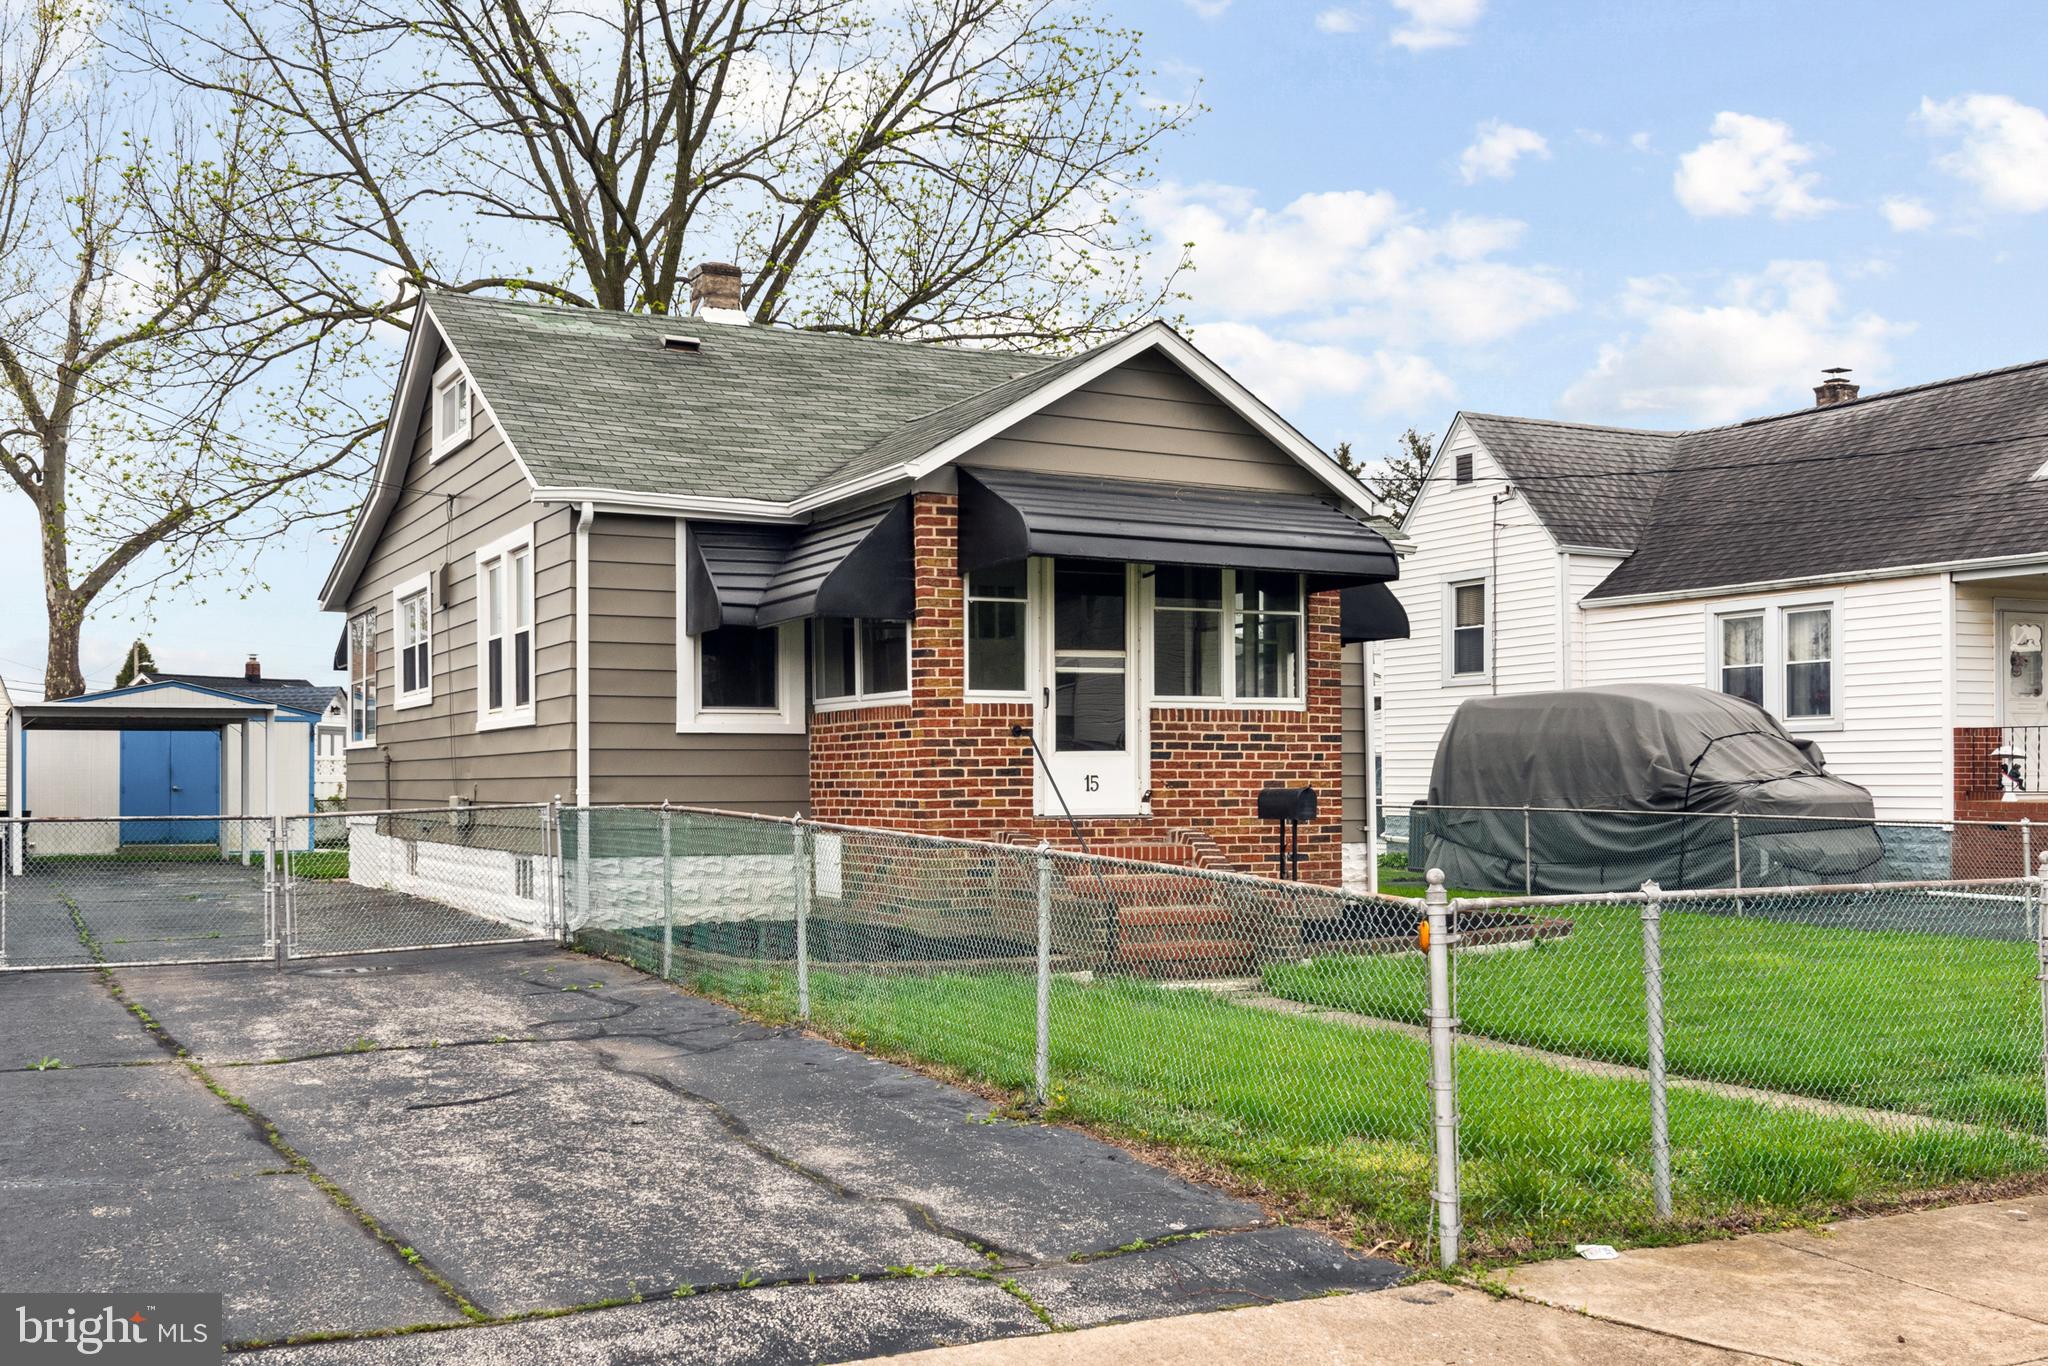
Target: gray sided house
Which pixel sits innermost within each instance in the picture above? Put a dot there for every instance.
(623, 558)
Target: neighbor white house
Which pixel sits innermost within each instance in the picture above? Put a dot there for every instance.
(1872, 570)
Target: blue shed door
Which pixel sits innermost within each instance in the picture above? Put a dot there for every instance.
(169, 773)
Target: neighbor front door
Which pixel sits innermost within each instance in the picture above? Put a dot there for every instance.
(1089, 723)
(2021, 698)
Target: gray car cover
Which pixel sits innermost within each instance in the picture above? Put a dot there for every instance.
(1644, 753)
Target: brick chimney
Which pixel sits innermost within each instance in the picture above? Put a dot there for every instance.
(1835, 388)
(253, 670)
(715, 291)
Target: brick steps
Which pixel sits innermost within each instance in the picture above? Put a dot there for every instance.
(1165, 926)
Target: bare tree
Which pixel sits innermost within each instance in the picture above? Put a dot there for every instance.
(130, 348)
(1395, 479)
(949, 169)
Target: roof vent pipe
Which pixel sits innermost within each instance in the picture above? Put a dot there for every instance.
(1834, 389)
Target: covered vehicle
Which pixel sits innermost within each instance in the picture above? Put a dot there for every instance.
(1634, 782)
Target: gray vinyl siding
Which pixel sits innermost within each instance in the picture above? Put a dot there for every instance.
(1356, 753)
(1146, 419)
(635, 753)
(428, 754)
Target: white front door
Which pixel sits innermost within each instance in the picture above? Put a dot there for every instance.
(2020, 696)
(1090, 725)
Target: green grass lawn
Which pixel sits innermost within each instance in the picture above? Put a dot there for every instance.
(1931, 1024)
(1334, 1121)
(314, 864)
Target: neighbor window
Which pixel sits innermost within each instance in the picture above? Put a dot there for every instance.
(451, 409)
(415, 647)
(857, 660)
(362, 678)
(1196, 610)
(1780, 657)
(1742, 656)
(1809, 663)
(996, 604)
(505, 663)
(1468, 630)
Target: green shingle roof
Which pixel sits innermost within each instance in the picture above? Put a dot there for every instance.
(593, 399)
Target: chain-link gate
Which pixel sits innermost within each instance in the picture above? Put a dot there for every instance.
(223, 889)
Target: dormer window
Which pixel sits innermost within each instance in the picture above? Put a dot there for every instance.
(452, 405)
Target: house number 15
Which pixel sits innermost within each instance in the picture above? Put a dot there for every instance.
(1091, 783)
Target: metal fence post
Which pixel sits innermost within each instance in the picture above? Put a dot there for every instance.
(2041, 959)
(10, 832)
(2027, 845)
(559, 873)
(273, 889)
(801, 867)
(1041, 1068)
(1735, 824)
(1528, 866)
(1653, 1010)
(1443, 1079)
(668, 893)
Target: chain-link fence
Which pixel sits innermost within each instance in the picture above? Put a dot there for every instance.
(1537, 850)
(1123, 988)
(202, 889)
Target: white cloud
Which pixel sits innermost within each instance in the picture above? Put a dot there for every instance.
(1354, 264)
(1341, 19)
(1748, 163)
(1639, 141)
(1208, 9)
(1496, 146)
(1906, 214)
(2002, 148)
(1435, 23)
(1757, 347)
(1286, 373)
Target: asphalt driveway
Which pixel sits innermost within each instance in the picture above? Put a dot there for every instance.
(473, 1138)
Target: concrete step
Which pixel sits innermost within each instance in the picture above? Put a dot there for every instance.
(1180, 958)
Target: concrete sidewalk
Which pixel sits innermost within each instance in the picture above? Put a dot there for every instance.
(1967, 1284)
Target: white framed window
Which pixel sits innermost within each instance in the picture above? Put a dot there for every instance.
(1227, 637)
(362, 679)
(998, 632)
(412, 616)
(453, 405)
(856, 662)
(505, 652)
(1468, 650)
(1782, 655)
(743, 680)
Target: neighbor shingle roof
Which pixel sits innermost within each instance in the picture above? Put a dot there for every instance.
(1592, 486)
(1933, 474)
(297, 693)
(592, 399)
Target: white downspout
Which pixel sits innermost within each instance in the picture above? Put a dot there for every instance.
(583, 655)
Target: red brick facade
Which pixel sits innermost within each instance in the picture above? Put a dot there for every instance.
(942, 764)
(1989, 850)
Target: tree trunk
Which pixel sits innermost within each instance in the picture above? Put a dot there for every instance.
(62, 676)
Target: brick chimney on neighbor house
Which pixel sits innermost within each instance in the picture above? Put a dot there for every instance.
(1834, 389)
(253, 670)
(714, 288)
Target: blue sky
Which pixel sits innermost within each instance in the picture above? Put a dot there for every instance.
(1646, 214)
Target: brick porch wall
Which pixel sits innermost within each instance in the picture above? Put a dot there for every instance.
(1989, 851)
(944, 765)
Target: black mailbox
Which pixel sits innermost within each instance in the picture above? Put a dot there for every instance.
(1290, 806)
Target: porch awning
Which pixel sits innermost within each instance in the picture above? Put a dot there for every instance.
(730, 565)
(1006, 515)
(1372, 612)
(856, 565)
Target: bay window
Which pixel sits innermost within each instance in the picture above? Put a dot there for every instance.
(362, 678)
(505, 648)
(1781, 656)
(855, 660)
(1258, 614)
(997, 602)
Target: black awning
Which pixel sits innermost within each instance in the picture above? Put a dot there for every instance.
(730, 567)
(1372, 612)
(1006, 515)
(855, 565)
